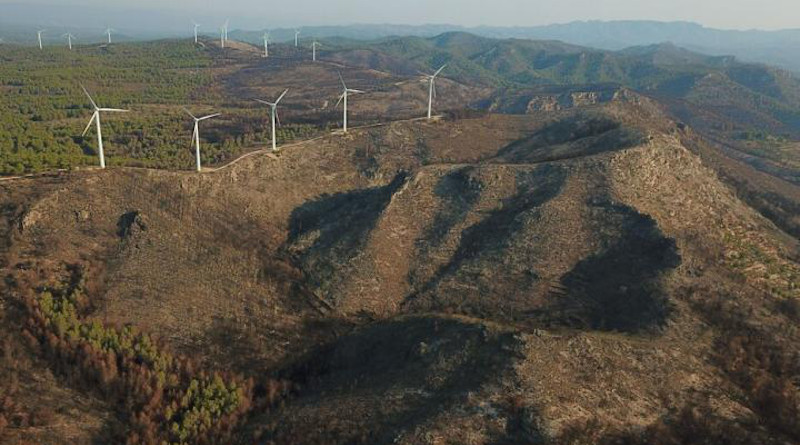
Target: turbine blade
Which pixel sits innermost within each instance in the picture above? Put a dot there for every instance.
(277, 116)
(90, 98)
(439, 70)
(189, 112)
(342, 79)
(282, 95)
(209, 116)
(89, 125)
(263, 102)
(341, 98)
(355, 91)
(194, 132)
(114, 110)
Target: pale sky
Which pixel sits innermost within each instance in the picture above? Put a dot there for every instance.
(727, 14)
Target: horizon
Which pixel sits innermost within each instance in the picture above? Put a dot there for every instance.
(506, 14)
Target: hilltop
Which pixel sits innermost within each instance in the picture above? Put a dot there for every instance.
(584, 246)
(570, 276)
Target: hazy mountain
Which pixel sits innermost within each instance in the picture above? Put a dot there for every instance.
(770, 97)
(779, 48)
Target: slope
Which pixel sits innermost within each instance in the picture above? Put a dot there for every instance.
(564, 259)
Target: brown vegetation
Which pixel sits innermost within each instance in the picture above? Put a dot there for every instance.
(166, 398)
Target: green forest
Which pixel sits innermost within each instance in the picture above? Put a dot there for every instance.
(43, 110)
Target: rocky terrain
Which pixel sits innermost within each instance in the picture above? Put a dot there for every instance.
(574, 275)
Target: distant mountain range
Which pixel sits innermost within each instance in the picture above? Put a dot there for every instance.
(753, 95)
(779, 48)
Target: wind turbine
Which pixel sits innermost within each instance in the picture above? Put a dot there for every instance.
(108, 33)
(96, 119)
(196, 27)
(222, 36)
(69, 38)
(432, 90)
(39, 36)
(296, 35)
(266, 44)
(273, 116)
(196, 133)
(314, 50)
(343, 98)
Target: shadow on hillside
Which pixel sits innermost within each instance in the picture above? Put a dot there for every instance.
(581, 135)
(620, 287)
(458, 192)
(479, 259)
(389, 378)
(327, 233)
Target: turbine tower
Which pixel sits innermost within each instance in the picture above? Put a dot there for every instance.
(96, 119)
(108, 33)
(69, 38)
(273, 116)
(196, 27)
(343, 98)
(196, 133)
(39, 37)
(432, 89)
(296, 35)
(266, 44)
(314, 50)
(222, 36)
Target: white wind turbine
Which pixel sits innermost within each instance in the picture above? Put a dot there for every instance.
(196, 133)
(222, 36)
(108, 33)
(196, 27)
(69, 38)
(96, 119)
(296, 36)
(314, 50)
(343, 98)
(274, 116)
(39, 37)
(266, 44)
(432, 89)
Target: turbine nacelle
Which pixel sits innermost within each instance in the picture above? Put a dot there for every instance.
(196, 133)
(432, 92)
(96, 120)
(274, 115)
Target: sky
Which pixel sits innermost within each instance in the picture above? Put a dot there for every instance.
(726, 14)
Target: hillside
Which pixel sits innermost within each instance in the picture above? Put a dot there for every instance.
(750, 111)
(571, 276)
(482, 73)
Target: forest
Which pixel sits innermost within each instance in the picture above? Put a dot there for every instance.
(165, 398)
(43, 109)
